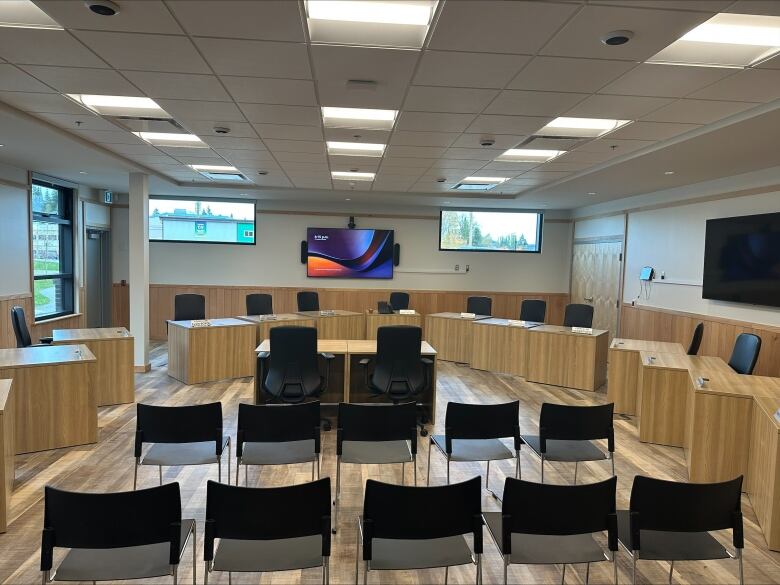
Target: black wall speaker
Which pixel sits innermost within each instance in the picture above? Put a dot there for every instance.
(304, 251)
(396, 254)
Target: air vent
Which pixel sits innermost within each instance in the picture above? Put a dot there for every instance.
(552, 142)
(362, 84)
(225, 177)
(474, 186)
(147, 124)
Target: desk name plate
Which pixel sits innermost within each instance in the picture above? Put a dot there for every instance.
(406, 312)
(468, 315)
(582, 330)
(200, 323)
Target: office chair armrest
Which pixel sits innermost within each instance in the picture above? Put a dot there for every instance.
(263, 355)
(364, 363)
(45, 341)
(427, 361)
(328, 356)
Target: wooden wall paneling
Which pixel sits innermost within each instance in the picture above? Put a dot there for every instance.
(7, 450)
(763, 482)
(120, 305)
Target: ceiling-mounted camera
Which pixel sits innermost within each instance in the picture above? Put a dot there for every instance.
(221, 129)
(352, 225)
(617, 37)
(102, 7)
(487, 141)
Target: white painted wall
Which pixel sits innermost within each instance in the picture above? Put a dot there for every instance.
(14, 238)
(120, 244)
(613, 225)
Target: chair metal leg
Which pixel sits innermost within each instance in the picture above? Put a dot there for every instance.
(633, 569)
(135, 472)
(206, 573)
(312, 471)
(448, 470)
(414, 465)
(614, 567)
(741, 568)
(575, 472)
(671, 571)
(160, 467)
(563, 575)
(506, 569)
(365, 572)
(587, 573)
(430, 448)
(357, 554)
(324, 570)
(230, 455)
(403, 473)
(613, 463)
(230, 578)
(238, 469)
(446, 575)
(517, 470)
(479, 568)
(194, 555)
(487, 476)
(542, 467)
(318, 476)
(219, 469)
(175, 576)
(338, 495)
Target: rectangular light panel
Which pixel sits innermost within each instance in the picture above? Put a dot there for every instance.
(355, 149)
(117, 105)
(361, 118)
(25, 14)
(529, 155)
(581, 127)
(170, 139)
(350, 176)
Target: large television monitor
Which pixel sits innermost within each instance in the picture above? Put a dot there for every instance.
(472, 230)
(202, 221)
(742, 259)
(349, 253)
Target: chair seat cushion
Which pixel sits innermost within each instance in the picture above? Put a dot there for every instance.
(670, 546)
(546, 549)
(182, 453)
(257, 556)
(474, 449)
(279, 453)
(114, 564)
(376, 452)
(558, 450)
(397, 554)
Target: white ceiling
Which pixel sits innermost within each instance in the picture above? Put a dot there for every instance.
(502, 69)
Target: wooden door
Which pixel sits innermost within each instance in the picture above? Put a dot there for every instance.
(595, 280)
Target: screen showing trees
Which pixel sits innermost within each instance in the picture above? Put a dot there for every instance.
(202, 221)
(490, 231)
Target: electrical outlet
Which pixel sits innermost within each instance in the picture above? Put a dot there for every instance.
(663, 275)
(467, 267)
(457, 268)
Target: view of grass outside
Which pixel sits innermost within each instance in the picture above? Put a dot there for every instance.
(490, 230)
(46, 251)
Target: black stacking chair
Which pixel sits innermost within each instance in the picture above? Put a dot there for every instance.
(693, 348)
(22, 333)
(577, 315)
(534, 310)
(182, 435)
(554, 524)
(479, 305)
(566, 433)
(399, 300)
(408, 528)
(267, 529)
(189, 307)
(308, 301)
(745, 353)
(259, 304)
(115, 536)
(278, 435)
(472, 432)
(375, 434)
(671, 521)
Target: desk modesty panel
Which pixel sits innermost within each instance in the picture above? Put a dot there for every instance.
(376, 320)
(763, 478)
(6, 450)
(264, 323)
(501, 345)
(338, 324)
(451, 335)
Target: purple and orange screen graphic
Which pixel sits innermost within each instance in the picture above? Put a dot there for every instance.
(344, 253)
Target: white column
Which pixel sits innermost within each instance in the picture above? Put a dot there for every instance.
(139, 268)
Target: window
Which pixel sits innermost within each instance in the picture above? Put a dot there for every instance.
(471, 230)
(52, 250)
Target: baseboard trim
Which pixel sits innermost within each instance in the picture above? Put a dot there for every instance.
(142, 369)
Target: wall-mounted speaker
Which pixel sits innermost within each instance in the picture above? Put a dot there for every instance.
(396, 254)
(304, 251)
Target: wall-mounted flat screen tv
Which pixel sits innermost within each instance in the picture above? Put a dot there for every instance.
(202, 221)
(471, 230)
(345, 253)
(742, 259)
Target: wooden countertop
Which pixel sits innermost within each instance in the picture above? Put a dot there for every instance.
(323, 346)
(45, 356)
(5, 390)
(228, 322)
(505, 323)
(567, 331)
(643, 345)
(279, 318)
(368, 346)
(96, 334)
(729, 383)
(332, 313)
(340, 346)
(447, 315)
(376, 313)
(770, 405)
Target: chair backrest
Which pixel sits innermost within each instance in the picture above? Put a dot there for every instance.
(537, 508)
(272, 423)
(399, 300)
(111, 520)
(398, 369)
(693, 348)
(259, 304)
(178, 424)
(420, 513)
(482, 421)
(21, 332)
(658, 504)
(244, 513)
(189, 307)
(534, 310)
(576, 423)
(293, 374)
(479, 305)
(745, 353)
(308, 300)
(376, 422)
(578, 315)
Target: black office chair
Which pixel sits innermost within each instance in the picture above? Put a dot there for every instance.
(577, 315)
(181, 435)
(693, 348)
(375, 434)
(554, 524)
(671, 521)
(399, 300)
(472, 432)
(308, 301)
(566, 433)
(479, 305)
(745, 353)
(267, 529)
(534, 310)
(189, 307)
(407, 528)
(259, 304)
(278, 435)
(21, 331)
(115, 536)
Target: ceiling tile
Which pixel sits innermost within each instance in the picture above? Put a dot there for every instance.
(498, 27)
(502, 141)
(508, 124)
(270, 20)
(509, 167)
(303, 157)
(83, 80)
(257, 90)
(617, 107)
(468, 69)
(206, 128)
(665, 80)
(149, 16)
(85, 121)
(565, 166)
(405, 138)
(149, 159)
(433, 122)
(416, 151)
(225, 142)
(256, 58)
(289, 132)
(305, 167)
(448, 99)
(765, 7)
(41, 102)
(485, 154)
(349, 134)
(702, 5)
(197, 110)
(393, 184)
(652, 130)
(12, 79)
(568, 74)
(750, 85)
(540, 173)
(275, 114)
(312, 183)
(582, 156)
(697, 111)
(272, 179)
(197, 160)
(358, 164)
(45, 47)
(295, 146)
(533, 103)
(245, 156)
(133, 149)
(195, 153)
(402, 164)
(614, 146)
(178, 85)
(114, 136)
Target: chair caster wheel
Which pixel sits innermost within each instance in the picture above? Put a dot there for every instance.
(424, 432)
(326, 426)
(333, 530)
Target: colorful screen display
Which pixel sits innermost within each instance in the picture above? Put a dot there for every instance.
(345, 253)
(202, 221)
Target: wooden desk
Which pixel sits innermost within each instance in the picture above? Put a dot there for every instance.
(6, 450)
(264, 324)
(205, 354)
(55, 400)
(113, 348)
(560, 357)
(763, 478)
(451, 335)
(376, 320)
(338, 324)
(623, 369)
(498, 346)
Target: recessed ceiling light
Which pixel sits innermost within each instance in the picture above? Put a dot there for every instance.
(352, 176)
(170, 139)
(355, 148)
(668, 172)
(367, 119)
(725, 40)
(103, 7)
(529, 155)
(217, 168)
(82, 172)
(25, 14)
(582, 127)
(479, 183)
(117, 105)
(591, 192)
(347, 199)
(494, 180)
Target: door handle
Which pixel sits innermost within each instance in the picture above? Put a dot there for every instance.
(588, 299)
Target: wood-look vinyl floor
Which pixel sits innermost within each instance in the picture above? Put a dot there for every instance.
(108, 465)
